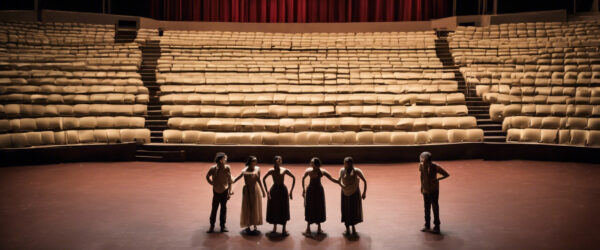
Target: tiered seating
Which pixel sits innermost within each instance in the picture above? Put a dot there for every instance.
(533, 70)
(309, 89)
(67, 83)
(144, 35)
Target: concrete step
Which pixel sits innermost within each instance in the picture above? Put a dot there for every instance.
(494, 138)
(156, 127)
(148, 158)
(475, 112)
(156, 121)
(486, 121)
(156, 139)
(494, 133)
(490, 126)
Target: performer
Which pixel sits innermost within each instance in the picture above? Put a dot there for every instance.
(314, 195)
(251, 196)
(219, 176)
(430, 188)
(278, 205)
(350, 177)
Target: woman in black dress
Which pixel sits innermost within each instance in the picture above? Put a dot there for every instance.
(278, 205)
(314, 195)
(350, 177)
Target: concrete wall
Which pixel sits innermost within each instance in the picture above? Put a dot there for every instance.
(528, 17)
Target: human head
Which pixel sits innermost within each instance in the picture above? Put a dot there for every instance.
(315, 162)
(425, 157)
(251, 161)
(348, 162)
(277, 160)
(220, 157)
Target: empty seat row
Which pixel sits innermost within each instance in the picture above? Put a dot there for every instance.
(31, 110)
(334, 124)
(282, 111)
(551, 122)
(574, 137)
(69, 123)
(57, 75)
(450, 86)
(325, 138)
(321, 77)
(529, 91)
(537, 79)
(50, 138)
(71, 81)
(500, 111)
(539, 99)
(117, 98)
(53, 89)
(314, 72)
(314, 99)
(286, 79)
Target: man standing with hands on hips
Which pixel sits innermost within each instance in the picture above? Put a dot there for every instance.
(430, 188)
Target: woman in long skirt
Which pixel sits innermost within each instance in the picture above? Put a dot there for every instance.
(251, 197)
(278, 205)
(350, 177)
(314, 195)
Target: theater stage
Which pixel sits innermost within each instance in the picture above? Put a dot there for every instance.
(144, 205)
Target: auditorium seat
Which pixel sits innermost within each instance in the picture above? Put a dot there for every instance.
(324, 138)
(69, 84)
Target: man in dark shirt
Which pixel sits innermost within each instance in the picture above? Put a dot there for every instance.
(430, 188)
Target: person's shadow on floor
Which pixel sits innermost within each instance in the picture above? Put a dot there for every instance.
(274, 236)
(428, 236)
(210, 240)
(315, 236)
(252, 235)
(351, 237)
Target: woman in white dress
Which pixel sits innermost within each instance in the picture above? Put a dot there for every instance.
(251, 196)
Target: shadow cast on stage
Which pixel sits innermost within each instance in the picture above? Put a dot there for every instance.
(211, 240)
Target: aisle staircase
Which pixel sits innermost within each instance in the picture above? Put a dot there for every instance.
(492, 131)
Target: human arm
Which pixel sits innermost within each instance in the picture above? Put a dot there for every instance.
(262, 190)
(326, 174)
(443, 172)
(208, 175)
(340, 178)
(239, 176)
(264, 181)
(229, 182)
(362, 177)
(303, 189)
(293, 182)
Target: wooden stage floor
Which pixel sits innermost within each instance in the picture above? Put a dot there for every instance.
(144, 205)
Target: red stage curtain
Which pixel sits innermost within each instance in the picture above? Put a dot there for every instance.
(299, 11)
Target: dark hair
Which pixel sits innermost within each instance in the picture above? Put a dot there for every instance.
(426, 156)
(277, 157)
(219, 156)
(250, 159)
(316, 161)
(349, 160)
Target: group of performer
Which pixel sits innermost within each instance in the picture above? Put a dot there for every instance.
(278, 207)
